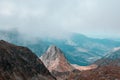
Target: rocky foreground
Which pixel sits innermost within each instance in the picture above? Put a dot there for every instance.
(20, 63)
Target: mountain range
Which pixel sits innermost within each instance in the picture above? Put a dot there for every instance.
(20, 63)
(112, 58)
(77, 48)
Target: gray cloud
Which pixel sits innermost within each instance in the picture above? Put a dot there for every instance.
(57, 17)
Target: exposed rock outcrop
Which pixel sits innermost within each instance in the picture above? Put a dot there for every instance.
(20, 63)
(55, 60)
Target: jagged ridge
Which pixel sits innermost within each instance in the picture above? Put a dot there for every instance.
(55, 60)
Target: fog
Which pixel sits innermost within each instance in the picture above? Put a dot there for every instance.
(58, 18)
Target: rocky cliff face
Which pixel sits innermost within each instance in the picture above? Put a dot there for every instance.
(20, 63)
(55, 60)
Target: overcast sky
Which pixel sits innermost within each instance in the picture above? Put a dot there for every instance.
(56, 17)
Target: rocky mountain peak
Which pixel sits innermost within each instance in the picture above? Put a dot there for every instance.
(54, 52)
(55, 60)
(53, 48)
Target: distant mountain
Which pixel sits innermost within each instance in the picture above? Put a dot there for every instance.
(55, 60)
(108, 68)
(83, 50)
(77, 48)
(112, 58)
(20, 63)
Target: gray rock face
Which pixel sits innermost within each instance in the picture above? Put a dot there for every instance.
(52, 54)
(55, 60)
(20, 63)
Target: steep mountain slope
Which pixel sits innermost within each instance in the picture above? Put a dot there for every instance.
(20, 63)
(112, 58)
(101, 73)
(55, 60)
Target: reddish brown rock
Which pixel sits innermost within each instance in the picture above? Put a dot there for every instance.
(101, 73)
(55, 60)
(20, 63)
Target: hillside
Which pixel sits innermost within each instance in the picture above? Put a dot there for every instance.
(20, 63)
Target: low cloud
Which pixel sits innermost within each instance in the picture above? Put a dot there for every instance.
(57, 18)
